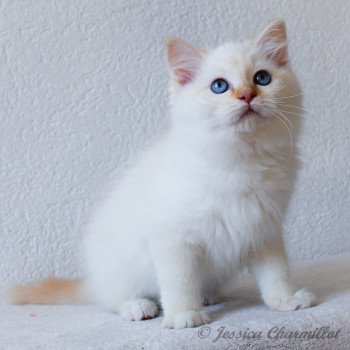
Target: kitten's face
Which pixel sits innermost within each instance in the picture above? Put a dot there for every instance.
(255, 88)
(236, 87)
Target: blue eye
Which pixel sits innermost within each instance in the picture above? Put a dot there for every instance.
(262, 77)
(219, 86)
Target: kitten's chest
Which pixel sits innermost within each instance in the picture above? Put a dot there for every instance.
(232, 189)
(243, 213)
(246, 203)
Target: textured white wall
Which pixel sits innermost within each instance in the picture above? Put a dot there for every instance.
(84, 88)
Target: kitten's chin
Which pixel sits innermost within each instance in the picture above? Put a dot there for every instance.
(248, 120)
(248, 113)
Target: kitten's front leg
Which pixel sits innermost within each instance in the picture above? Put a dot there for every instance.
(269, 267)
(179, 284)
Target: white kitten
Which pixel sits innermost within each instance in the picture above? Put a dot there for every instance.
(207, 199)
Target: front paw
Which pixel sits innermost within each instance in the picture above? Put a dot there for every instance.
(300, 300)
(185, 319)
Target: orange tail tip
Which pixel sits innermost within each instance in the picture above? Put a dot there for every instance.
(52, 290)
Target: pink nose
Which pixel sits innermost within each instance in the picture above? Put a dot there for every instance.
(247, 96)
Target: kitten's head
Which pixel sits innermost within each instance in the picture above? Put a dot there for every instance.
(237, 87)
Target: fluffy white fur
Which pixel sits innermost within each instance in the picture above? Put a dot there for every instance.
(210, 197)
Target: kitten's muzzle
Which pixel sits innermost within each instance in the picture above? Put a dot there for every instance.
(247, 112)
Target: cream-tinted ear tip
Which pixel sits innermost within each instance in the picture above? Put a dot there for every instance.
(169, 40)
(278, 21)
(173, 41)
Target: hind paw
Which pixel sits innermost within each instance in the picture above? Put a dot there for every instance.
(300, 300)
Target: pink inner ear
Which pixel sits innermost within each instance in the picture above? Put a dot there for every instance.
(183, 76)
(184, 60)
(274, 42)
(280, 56)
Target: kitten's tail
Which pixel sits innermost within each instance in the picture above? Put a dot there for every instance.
(52, 290)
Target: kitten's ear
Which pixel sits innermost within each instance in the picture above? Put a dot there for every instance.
(273, 42)
(184, 60)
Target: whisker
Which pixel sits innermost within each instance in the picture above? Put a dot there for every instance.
(301, 108)
(285, 97)
(304, 109)
(290, 134)
(284, 117)
(283, 86)
(300, 116)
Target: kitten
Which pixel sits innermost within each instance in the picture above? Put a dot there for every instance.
(209, 198)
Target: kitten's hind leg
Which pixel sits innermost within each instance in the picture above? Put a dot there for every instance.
(270, 269)
(139, 309)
